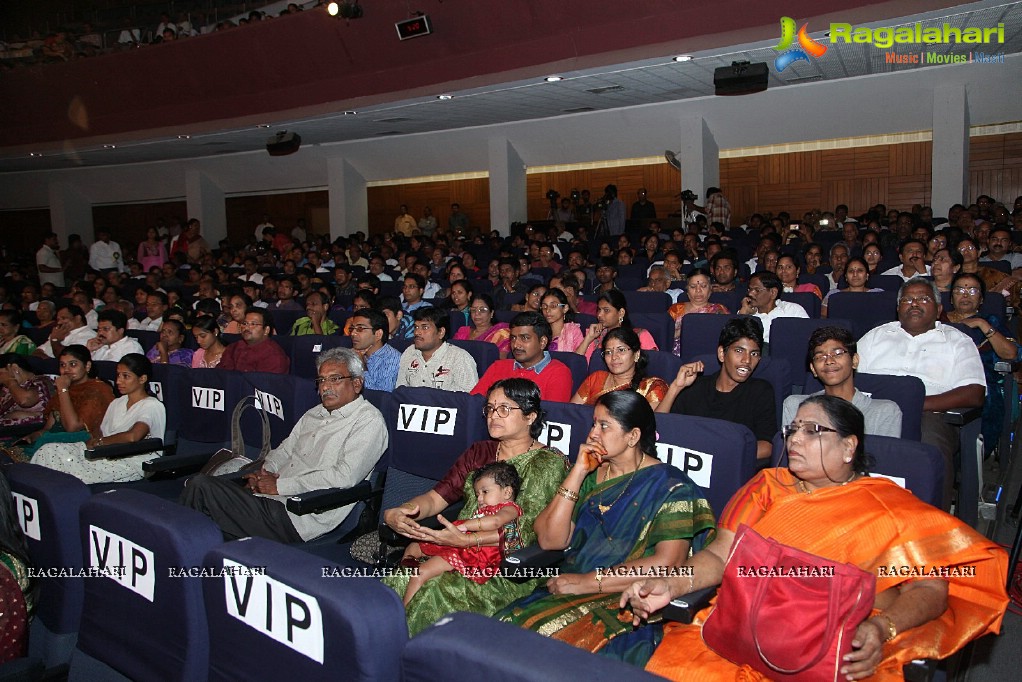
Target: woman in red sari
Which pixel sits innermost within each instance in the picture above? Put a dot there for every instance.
(825, 503)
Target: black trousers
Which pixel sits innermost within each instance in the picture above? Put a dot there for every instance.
(945, 437)
(238, 512)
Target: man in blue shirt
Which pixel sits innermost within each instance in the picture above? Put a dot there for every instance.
(369, 337)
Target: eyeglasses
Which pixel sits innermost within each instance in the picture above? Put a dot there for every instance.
(835, 354)
(333, 380)
(551, 306)
(807, 428)
(756, 290)
(252, 324)
(620, 350)
(479, 310)
(915, 300)
(503, 411)
(966, 247)
(961, 291)
(361, 328)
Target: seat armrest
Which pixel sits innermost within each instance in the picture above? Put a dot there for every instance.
(962, 416)
(173, 466)
(684, 608)
(317, 501)
(529, 562)
(121, 450)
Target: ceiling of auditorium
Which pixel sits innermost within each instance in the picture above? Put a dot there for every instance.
(655, 80)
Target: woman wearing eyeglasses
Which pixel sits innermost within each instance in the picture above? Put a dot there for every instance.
(994, 341)
(697, 288)
(611, 313)
(485, 327)
(856, 279)
(993, 279)
(824, 502)
(514, 419)
(567, 335)
(533, 299)
(833, 360)
(626, 371)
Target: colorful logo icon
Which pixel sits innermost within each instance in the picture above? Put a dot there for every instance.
(806, 45)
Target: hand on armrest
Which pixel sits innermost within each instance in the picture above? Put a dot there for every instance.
(121, 450)
(317, 501)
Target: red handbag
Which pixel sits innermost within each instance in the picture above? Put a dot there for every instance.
(788, 614)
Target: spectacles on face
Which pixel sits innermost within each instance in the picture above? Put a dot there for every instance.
(835, 354)
(966, 247)
(361, 328)
(479, 310)
(620, 350)
(962, 291)
(332, 380)
(807, 429)
(756, 290)
(916, 300)
(503, 411)
(251, 324)
(551, 306)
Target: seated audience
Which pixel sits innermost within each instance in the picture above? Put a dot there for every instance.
(156, 304)
(11, 341)
(70, 330)
(612, 312)
(788, 272)
(334, 445)
(566, 334)
(317, 304)
(806, 505)
(256, 351)
(698, 288)
(131, 417)
(369, 339)
(731, 394)
(856, 277)
(207, 338)
(23, 393)
(111, 342)
(833, 360)
(763, 302)
(626, 371)
(170, 348)
(911, 253)
(530, 335)
(946, 264)
(484, 325)
(431, 361)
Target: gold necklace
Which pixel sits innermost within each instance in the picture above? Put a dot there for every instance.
(604, 508)
(532, 446)
(801, 485)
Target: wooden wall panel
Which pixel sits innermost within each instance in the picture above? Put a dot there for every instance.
(244, 213)
(872, 162)
(473, 195)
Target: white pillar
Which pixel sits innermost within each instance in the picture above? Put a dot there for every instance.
(699, 156)
(949, 179)
(508, 201)
(205, 200)
(70, 213)
(348, 197)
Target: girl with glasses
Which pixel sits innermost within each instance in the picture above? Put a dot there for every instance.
(626, 371)
(567, 335)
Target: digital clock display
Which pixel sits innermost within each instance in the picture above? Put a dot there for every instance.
(413, 28)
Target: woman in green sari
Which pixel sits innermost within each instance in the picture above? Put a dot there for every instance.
(514, 419)
(620, 513)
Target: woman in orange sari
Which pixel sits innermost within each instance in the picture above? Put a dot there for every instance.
(626, 371)
(826, 504)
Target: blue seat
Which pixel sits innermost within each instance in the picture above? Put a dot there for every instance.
(700, 333)
(659, 325)
(576, 363)
(148, 339)
(567, 426)
(298, 619)
(717, 455)
(810, 302)
(886, 282)
(146, 616)
(916, 466)
(47, 504)
(907, 391)
(647, 302)
(283, 397)
(283, 320)
(775, 371)
(864, 310)
(477, 647)
(305, 349)
(483, 352)
(205, 409)
(791, 342)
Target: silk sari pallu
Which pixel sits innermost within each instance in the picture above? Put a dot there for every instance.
(787, 613)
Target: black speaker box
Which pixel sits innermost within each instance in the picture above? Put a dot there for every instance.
(283, 143)
(741, 78)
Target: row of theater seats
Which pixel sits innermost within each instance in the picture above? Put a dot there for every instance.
(304, 616)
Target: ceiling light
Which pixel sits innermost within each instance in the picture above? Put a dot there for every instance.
(184, 137)
(553, 79)
(34, 154)
(109, 146)
(683, 58)
(445, 96)
(350, 113)
(263, 125)
(332, 9)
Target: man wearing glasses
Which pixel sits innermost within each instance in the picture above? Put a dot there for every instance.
(369, 330)
(111, 342)
(256, 352)
(731, 394)
(530, 335)
(945, 359)
(910, 253)
(334, 445)
(432, 362)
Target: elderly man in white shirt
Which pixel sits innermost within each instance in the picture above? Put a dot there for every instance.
(764, 288)
(911, 253)
(110, 343)
(156, 305)
(943, 358)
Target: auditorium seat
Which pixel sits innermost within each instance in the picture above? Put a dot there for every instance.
(907, 391)
(792, 343)
(700, 333)
(576, 363)
(646, 302)
(305, 349)
(299, 618)
(483, 352)
(810, 302)
(283, 320)
(567, 427)
(148, 619)
(864, 310)
(148, 339)
(659, 325)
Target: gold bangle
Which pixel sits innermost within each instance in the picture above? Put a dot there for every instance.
(892, 631)
(567, 494)
(479, 542)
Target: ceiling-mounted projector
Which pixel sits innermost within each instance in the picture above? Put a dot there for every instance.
(283, 143)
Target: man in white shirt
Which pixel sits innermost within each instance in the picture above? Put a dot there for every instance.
(86, 303)
(105, 255)
(110, 342)
(262, 226)
(433, 362)
(911, 253)
(156, 305)
(48, 262)
(764, 288)
(70, 329)
(944, 359)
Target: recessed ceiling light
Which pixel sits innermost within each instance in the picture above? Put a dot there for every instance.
(184, 137)
(445, 96)
(109, 146)
(350, 113)
(683, 58)
(332, 9)
(553, 79)
(263, 125)
(34, 154)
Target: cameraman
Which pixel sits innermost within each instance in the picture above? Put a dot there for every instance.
(717, 209)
